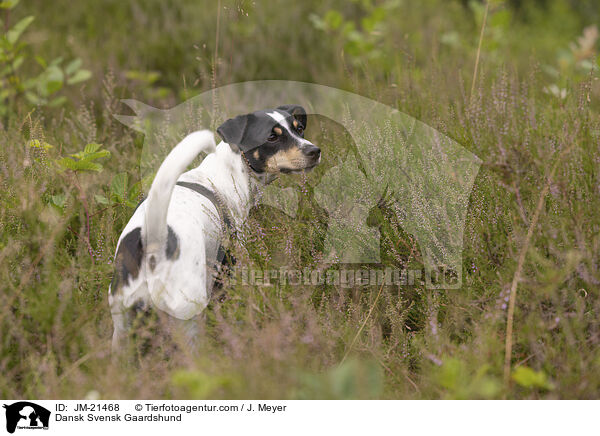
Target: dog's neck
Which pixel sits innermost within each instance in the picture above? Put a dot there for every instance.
(228, 174)
(262, 179)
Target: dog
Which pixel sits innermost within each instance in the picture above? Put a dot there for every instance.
(163, 256)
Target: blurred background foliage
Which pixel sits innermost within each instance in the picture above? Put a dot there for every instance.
(166, 49)
(69, 183)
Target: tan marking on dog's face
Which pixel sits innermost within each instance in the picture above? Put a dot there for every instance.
(256, 154)
(278, 130)
(295, 123)
(291, 159)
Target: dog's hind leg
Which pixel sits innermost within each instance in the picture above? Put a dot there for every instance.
(187, 333)
(119, 332)
(122, 318)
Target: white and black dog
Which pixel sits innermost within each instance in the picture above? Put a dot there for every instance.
(164, 254)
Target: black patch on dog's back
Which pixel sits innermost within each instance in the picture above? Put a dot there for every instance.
(128, 259)
(172, 245)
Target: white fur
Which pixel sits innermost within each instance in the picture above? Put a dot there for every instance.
(159, 197)
(182, 287)
(283, 123)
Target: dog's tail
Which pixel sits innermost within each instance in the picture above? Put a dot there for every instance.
(159, 197)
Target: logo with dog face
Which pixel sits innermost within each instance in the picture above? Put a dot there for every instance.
(418, 176)
(26, 415)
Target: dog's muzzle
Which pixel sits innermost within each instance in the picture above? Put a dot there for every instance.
(313, 155)
(312, 152)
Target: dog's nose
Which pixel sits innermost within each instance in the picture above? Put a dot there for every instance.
(312, 151)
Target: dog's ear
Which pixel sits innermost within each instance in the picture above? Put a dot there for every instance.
(232, 130)
(296, 111)
(247, 131)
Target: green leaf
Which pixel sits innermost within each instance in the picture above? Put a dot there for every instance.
(66, 163)
(51, 80)
(33, 98)
(73, 66)
(317, 22)
(79, 76)
(101, 199)
(84, 165)
(29, 83)
(377, 16)
(36, 143)
(41, 61)
(131, 203)
(118, 186)
(13, 34)
(78, 155)
(78, 165)
(451, 39)
(59, 200)
(97, 155)
(135, 191)
(353, 379)
(529, 378)
(501, 19)
(59, 101)
(91, 148)
(159, 92)
(17, 62)
(148, 77)
(450, 373)
(200, 385)
(8, 4)
(333, 19)
(56, 62)
(82, 160)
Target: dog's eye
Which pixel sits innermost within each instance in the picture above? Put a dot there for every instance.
(273, 137)
(300, 129)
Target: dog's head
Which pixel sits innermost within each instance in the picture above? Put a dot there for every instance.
(272, 140)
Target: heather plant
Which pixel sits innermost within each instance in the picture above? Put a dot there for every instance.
(70, 180)
(40, 89)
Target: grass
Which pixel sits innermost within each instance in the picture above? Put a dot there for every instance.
(325, 341)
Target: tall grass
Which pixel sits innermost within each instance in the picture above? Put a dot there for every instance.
(305, 341)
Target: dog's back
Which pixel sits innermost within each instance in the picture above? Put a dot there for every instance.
(149, 252)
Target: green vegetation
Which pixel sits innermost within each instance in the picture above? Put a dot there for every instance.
(69, 182)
